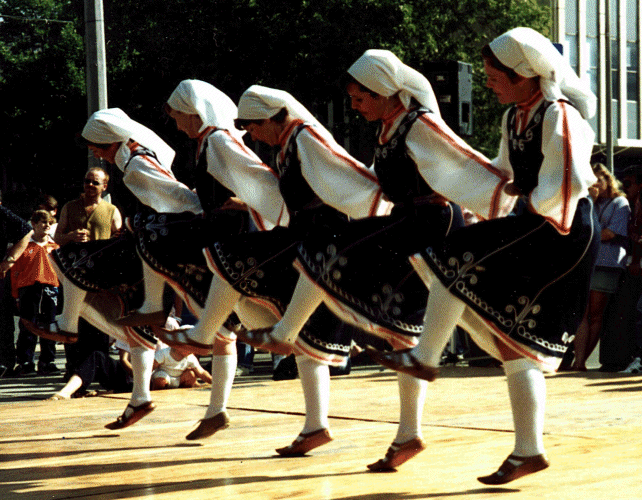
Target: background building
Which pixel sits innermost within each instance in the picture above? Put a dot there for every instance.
(581, 26)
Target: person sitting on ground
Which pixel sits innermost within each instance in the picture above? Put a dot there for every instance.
(112, 375)
(173, 368)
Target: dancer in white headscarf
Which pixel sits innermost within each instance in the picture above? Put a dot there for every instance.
(520, 284)
(362, 272)
(231, 183)
(145, 160)
(319, 182)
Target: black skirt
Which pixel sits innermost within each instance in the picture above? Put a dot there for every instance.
(522, 281)
(365, 272)
(172, 245)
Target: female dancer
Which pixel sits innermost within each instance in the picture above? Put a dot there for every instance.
(319, 182)
(362, 272)
(145, 160)
(520, 284)
(170, 245)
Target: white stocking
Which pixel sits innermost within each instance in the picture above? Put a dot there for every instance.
(442, 313)
(223, 372)
(315, 381)
(305, 300)
(154, 288)
(73, 298)
(412, 396)
(527, 391)
(220, 303)
(142, 360)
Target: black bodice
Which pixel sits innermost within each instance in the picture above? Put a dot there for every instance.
(211, 193)
(525, 149)
(304, 205)
(400, 180)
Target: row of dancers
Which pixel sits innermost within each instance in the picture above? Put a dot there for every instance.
(280, 258)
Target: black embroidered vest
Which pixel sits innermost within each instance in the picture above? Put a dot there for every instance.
(211, 193)
(302, 202)
(397, 173)
(525, 149)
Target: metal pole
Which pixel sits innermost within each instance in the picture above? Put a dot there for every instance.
(609, 89)
(96, 65)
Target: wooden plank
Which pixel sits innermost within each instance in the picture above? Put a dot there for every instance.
(61, 450)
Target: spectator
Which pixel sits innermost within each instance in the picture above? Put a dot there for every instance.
(614, 213)
(174, 369)
(35, 285)
(88, 218)
(632, 183)
(13, 231)
(100, 367)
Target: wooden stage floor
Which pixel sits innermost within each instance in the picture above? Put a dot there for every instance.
(60, 450)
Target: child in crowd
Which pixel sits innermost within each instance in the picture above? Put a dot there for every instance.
(35, 285)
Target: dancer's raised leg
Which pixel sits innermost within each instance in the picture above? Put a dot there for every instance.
(442, 313)
(221, 299)
(280, 337)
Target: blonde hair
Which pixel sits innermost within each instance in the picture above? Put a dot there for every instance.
(613, 186)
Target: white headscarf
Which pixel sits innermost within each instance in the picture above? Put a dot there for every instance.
(113, 125)
(382, 72)
(531, 54)
(215, 109)
(261, 103)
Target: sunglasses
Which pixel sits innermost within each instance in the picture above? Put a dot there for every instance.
(93, 183)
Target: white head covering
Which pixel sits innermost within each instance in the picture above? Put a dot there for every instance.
(113, 125)
(382, 72)
(531, 54)
(261, 103)
(215, 109)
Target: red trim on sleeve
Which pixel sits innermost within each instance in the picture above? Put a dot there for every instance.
(134, 146)
(470, 153)
(350, 161)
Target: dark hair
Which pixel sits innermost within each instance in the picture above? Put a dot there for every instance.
(491, 58)
(42, 215)
(48, 202)
(241, 123)
(348, 79)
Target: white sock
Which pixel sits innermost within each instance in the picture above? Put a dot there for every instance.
(305, 300)
(315, 381)
(223, 373)
(219, 304)
(154, 289)
(73, 298)
(527, 391)
(412, 396)
(442, 313)
(142, 360)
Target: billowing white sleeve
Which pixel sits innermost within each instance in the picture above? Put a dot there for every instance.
(565, 174)
(157, 188)
(455, 170)
(338, 179)
(241, 171)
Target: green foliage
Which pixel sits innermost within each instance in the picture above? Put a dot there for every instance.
(302, 46)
